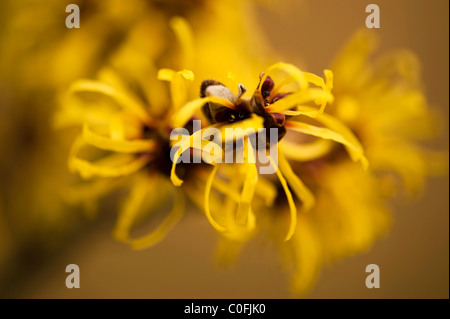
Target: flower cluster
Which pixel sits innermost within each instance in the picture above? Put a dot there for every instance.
(321, 155)
(318, 204)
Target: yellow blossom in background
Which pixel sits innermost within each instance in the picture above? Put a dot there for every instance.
(384, 105)
(350, 214)
(133, 144)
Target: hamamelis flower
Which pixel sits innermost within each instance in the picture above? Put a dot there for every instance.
(350, 215)
(286, 99)
(136, 61)
(123, 143)
(130, 125)
(383, 102)
(385, 107)
(39, 57)
(128, 117)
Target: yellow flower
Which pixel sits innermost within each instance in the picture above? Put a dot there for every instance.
(124, 143)
(144, 109)
(138, 90)
(39, 57)
(350, 214)
(285, 99)
(385, 107)
(134, 145)
(384, 104)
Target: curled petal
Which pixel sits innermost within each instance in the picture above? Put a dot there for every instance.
(143, 190)
(206, 201)
(300, 189)
(88, 170)
(250, 180)
(267, 190)
(299, 98)
(183, 33)
(306, 151)
(126, 101)
(292, 208)
(190, 142)
(325, 85)
(124, 146)
(178, 87)
(292, 74)
(112, 166)
(335, 131)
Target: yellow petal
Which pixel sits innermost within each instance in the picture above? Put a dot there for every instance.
(250, 180)
(178, 87)
(113, 166)
(335, 131)
(318, 81)
(133, 206)
(329, 79)
(116, 128)
(143, 190)
(302, 192)
(166, 74)
(402, 159)
(185, 38)
(92, 190)
(187, 143)
(124, 146)
(350, 63)
(305, 152)
(266, 190)
(164, 228)
(301, 110)
(308, 256)
(292, 73)
(126, 101)
(206, 201)
(299, 98)
(292, 208)
(88, 170)
(222, 187)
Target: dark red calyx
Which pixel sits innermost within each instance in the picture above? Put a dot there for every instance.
(267, 87)
(279, 118)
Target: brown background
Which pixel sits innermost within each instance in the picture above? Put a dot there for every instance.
(413, 257)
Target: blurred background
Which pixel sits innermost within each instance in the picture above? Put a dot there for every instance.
(413, 257)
